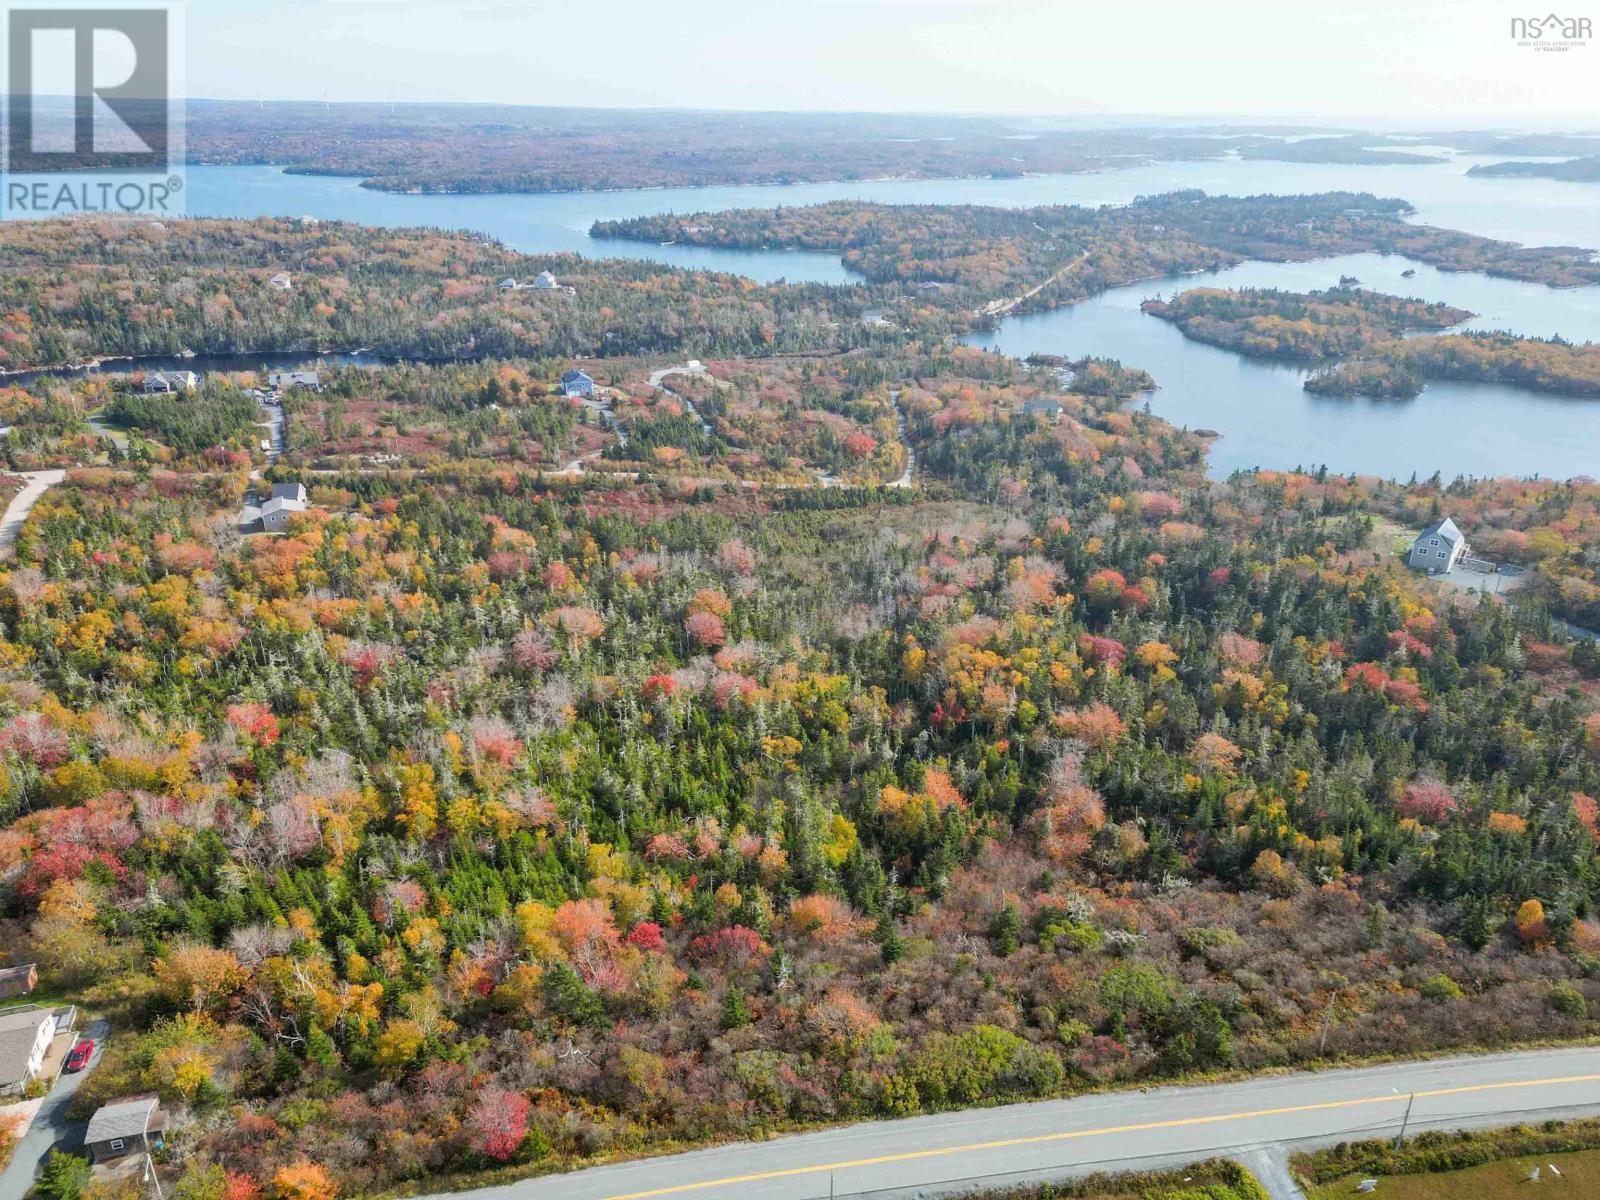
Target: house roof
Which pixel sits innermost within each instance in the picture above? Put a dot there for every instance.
(289, 491)
(18, 972)
(282, 504)
(574, 376)
(1446, 529)
(121, 1119)
(19, 1033)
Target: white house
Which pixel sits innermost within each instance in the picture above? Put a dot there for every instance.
(545, 281)
(167, 382)
(280, 281)
(1438, 548)
(25, 1035)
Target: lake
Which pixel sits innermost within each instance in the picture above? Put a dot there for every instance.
(1265, 417)
(1268, 420)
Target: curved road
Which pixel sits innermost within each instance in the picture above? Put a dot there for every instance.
(924, 1156)
(38, 483)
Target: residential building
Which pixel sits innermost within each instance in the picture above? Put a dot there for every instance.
(508, 285)
(1050, 410)
(25, 1035)
(275, 513)
(577, 383)
(166, 382)
(545, 281)
(280, 281)
(18, 981)
(284, 381)
(289, 491)
(132, 1125)
(1438, 548)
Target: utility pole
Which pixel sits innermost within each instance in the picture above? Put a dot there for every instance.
(1327, 1019)
(1405, 1121)
(150, 1174)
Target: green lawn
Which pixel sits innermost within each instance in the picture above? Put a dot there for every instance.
(1506, 1179)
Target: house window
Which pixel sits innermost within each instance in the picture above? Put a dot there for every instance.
(117, 1143)
(1433, 541)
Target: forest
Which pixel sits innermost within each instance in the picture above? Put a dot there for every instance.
(486, 823)
(73, 290)
(968, 256)
(503, 815)
(513, 148)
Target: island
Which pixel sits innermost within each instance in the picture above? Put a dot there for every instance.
(1265, 323)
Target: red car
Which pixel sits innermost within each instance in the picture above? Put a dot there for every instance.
(79, 1058)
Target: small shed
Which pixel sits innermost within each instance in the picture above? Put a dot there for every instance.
(18, 981)
(133, 1125)
(280, 282)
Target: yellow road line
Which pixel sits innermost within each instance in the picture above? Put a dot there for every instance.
(1141, 1127)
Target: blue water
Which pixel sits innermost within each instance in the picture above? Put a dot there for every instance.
(1264, 416)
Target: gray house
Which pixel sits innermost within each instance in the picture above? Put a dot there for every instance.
(275, 513)
(284, 381)
(1438, 548)
(133, 1125)
(545, 281)
(577, 383)
(289, 491)
(25, 1036)
(158, 383)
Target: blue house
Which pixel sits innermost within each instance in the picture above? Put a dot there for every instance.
(577, 383)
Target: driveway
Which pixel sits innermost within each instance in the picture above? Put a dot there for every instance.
(51, 1129)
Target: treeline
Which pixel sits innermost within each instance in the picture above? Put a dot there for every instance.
(1402, 368)
(215, 414)
(76, 289)
(1267, 323)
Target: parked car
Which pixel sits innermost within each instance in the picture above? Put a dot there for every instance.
(81, 1053)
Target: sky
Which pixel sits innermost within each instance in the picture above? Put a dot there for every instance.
(1436, 60)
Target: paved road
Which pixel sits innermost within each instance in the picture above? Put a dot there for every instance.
(39, 482)
(50, 1128)
(1126, 1130)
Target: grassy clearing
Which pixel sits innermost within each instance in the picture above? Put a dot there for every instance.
(1214, 1180)
(1507, 1179)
